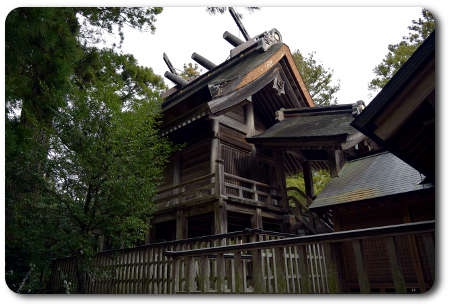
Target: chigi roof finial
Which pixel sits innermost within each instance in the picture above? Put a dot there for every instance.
(239, 23)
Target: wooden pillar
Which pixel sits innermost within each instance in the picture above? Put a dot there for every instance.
(177, 174)
(249, 119)
(215, 149)
(280, 175)
(336, 160)
(215, 144)
(256, 220)
(181, 226)
(150, 237)
(308, 177)
(220, 218)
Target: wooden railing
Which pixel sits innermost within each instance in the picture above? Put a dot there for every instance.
(215, 185)
(144, 269)
(245, 189)
(283, 266)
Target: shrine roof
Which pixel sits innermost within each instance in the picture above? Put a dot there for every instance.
(312, 123)
(369, 178)
(229, 73)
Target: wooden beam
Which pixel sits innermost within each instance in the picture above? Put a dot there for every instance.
(308, 177)
(336, 160)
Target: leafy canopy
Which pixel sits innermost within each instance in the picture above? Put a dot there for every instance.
(399, 53)
(317, 78)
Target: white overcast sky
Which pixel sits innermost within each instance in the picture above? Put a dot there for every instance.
(349, 40)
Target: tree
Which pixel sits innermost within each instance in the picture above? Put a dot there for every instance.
(190, 70)
(320, 179)
(318, 80)
(53, 75)
(104, 162)
(398, 54)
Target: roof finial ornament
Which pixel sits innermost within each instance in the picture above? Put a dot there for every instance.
(169, 64)
(239, 23)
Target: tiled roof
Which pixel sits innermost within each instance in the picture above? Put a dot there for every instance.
(371, 177)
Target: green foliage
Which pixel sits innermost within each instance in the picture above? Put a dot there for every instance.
(83, 157)
(317, 78)
(401, 52)
(320, 179)
(190, 70)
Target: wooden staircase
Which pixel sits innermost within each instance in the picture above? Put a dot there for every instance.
(309, 221)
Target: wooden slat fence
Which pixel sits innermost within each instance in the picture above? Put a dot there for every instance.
(144, 269)
(306, 264)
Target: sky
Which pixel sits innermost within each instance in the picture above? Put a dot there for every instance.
(349, 40)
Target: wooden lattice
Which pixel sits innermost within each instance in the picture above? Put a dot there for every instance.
(236, 162)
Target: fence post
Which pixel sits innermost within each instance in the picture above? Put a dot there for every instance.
(396, 269)
(429, 249)
(220, 273)
(175, 275)
(238, 274)
(303, 269)
(204, 271)
(280, 271)
(257, 278)
(363, 278)
(331, 268)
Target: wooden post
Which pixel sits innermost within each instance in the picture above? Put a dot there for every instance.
(280, 271)
(190, 275)
(280, 176)
(256, 220)
(238, 273)
(249, 119)
(363, 278)
(331, 268)
(215, 147)
(396, 269)
(220, 218)
(181, 225)
(175, 275)
(429, 249)
(219, 180)
(414, 252)
(336, 160)
(176, 175)
(220, 273)
(307, 176)
(204, 271)
(257, 278)
(303, 269)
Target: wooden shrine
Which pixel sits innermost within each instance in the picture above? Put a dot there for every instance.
(227, 177)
